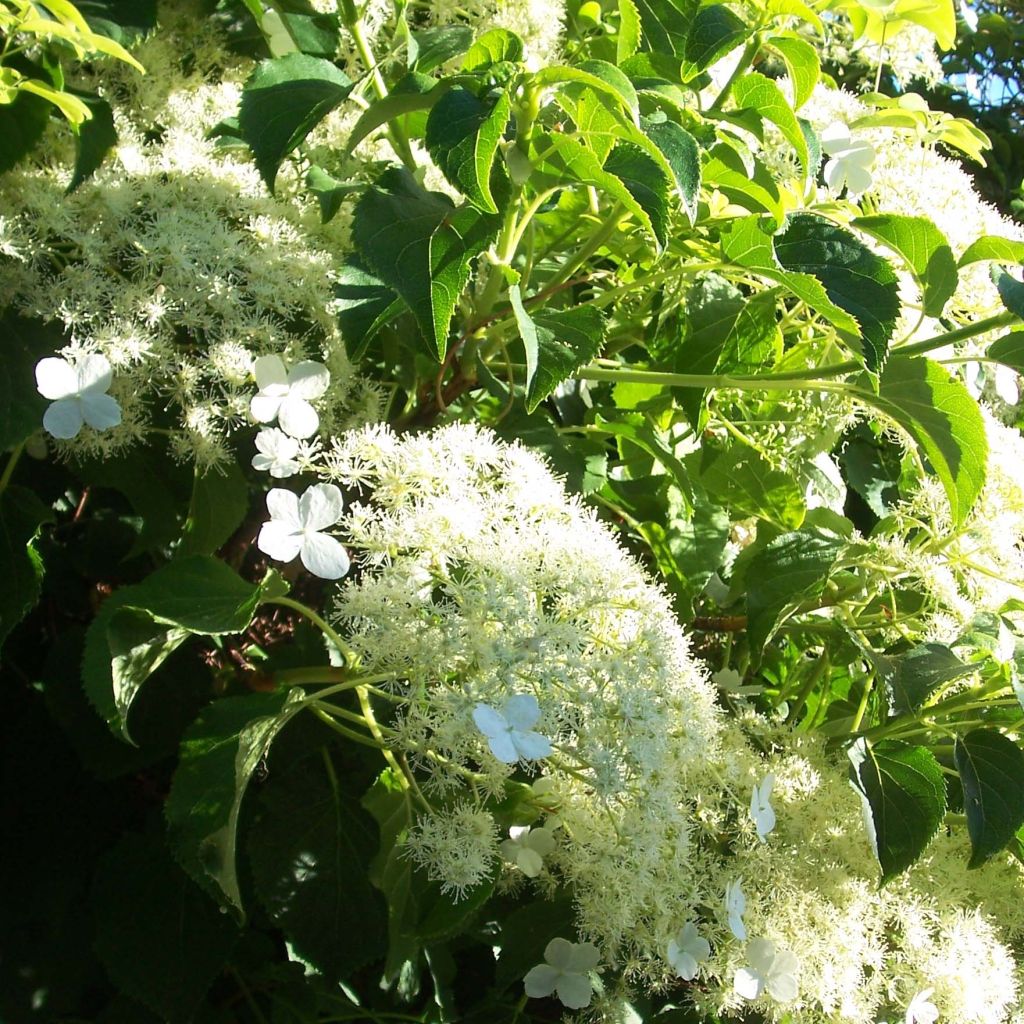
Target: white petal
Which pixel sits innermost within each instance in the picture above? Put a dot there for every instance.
(747, 983)
(835, 138)
(532, 746)
(320, 506)
(858, 179)
(324, 557)
(56, 379)
(283, 506)
(684, 964)
(279, 540)
(1006, 385)
(100, 411)
(272, 441)
(489, 721)
(264, 408)
(540, 981)
(835, 174)
(761, 954)
(764, 820)
(786, 963)
(63, 419)
(574, 991)
(297, 417)
(269, 370)
(93, 373)
(783, 987)
(503, 748)
(542, 840)
(529, 862)
(282, 468)
(521, 710)
(584, 957)
(308, 379)
(558, 953)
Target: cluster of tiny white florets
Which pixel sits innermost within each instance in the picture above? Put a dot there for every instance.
(174, 262)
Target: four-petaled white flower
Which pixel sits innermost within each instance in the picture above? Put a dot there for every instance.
(735, 905)
(277, 453)
(508, 731)
(285, 395)
(921, 1009)
(78, 393)
(687, 950)
(527, 847)
(768, 970)
(295, 525)
(564, 974)
(761, 811)
(850, 163)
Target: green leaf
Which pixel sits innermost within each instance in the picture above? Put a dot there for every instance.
(494, 47)
(309, 850)
(937, 411)
(627, 42)
(162, 941)
(25, 342)
(647, 184)
(635, 429)
(422, 246)
(93, 141)
(364, 304)
(21, 126)
(22, 515)
(1009, 350)
(330, 192)
(802, 63)
(914, 676)
(682, 155)
(744, 482)
(284, 99)
(904, 797)
(713, 33)
(438, 45)
(666, 25)
(725, 171)
(991, 770)
(557, 343)
(219, 754)
(1011, 291)
(756, 92)
(195, 594)
(462, 138)
(411, 93)
(220, 501)
(994, 249)
(855, 279)
(528, 928)
(604, 78)
(925, 250)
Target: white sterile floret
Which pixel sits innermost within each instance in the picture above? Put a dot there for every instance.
(285, 395)
(768, 970)
(735, 905)
(851, 161)
(508, 731)
(276, 453)
(761, 812)
(565, 973)
(921, 1010)
(687, 950)
(295, 525)
(78, 393)
(527, 847)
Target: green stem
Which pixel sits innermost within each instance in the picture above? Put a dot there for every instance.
(311, 676)
(505, 250)
(818, 670)
(350, 656)
(341, 730)
(709, 380)
(615, 217)
(12, 462)
(746, 59)
(863, 705)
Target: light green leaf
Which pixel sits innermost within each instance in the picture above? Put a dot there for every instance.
(413, 92)
(991, 768)
(724, 170)
(438, 45)
(422, 246)
(462, 138)
(284, 99)
(937, 411)
(904, 796)
(627, 42)
(802, 63)
(493, 47)
(925, 250)
(995, 249)
(755, 92)
(743, 481)
(604, 78)
(666, 24)
(219, 754)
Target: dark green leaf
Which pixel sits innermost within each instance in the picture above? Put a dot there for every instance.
(413, 92)
(1009, 350)
(21, 126)
(743, 481)
(527, 929)
(713, 33)
(647, 184)
(991, 769)
(330, 192)
(914, 676)
(284, 99)
(1011, 291)
(309, 850)
(855, 279)
(363, 301)
(789, 569)
(25, 342)
(21, 516)
(937, 411)
(160, 938)
(635, 429)
(925, 250)
(682, 154)
(422, 246)
(220, 501)
(462, 138)
(220, 753)
(905, 800)
(557, 343)
(493, 47)
(94, 140)
(438, 45)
